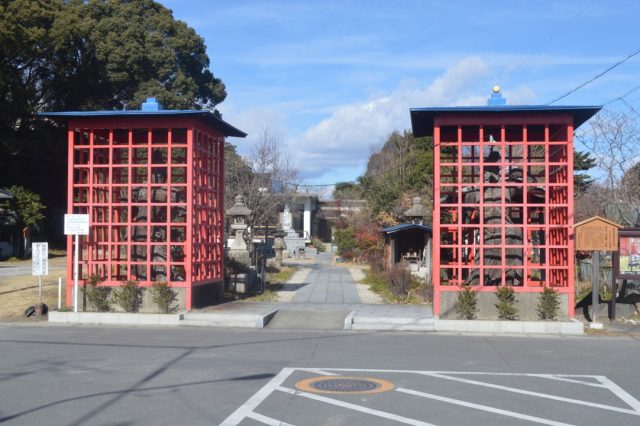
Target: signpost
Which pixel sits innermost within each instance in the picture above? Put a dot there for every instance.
(39, 264)
(597, 234)
(76, 225)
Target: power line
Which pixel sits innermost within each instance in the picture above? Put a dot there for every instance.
(630, 107)
(621, 97)
(596, 77)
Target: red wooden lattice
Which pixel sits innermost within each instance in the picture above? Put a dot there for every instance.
(503, 191)
(153, 189)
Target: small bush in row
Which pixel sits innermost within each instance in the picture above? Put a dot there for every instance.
(467, 304)
(547, 308)
(506, 304)
(98, 295)
(129, 295)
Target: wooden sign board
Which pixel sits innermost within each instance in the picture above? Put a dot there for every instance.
(596, 233)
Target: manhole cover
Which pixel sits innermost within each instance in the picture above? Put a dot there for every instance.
(343, 384)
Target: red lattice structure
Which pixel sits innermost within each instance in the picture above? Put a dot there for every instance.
(152, 184)
(503, 198)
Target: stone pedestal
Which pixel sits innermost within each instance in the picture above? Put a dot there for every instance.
(243, 283)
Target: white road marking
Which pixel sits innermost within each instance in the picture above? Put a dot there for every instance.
(318, 371)
(531, 393)
(620, 393)
(266, 420)
(563, 378)
(366, 410)
(482, 407)
(247, 408)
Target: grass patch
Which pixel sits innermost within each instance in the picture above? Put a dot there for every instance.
(270, 294)
(378, 284)
(282, 275)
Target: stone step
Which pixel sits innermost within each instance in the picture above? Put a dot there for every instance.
(229, 319)
(386, 323)
(304, 319)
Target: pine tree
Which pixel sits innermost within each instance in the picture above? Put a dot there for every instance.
(548, 304)
(506, 303)
(467, 303)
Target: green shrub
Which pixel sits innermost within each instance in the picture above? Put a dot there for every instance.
(319, 245)
(467, 303)
(548, 304)
(97, 294)
(506, 303)
(345, 240)
(163, 296)
(128, 296)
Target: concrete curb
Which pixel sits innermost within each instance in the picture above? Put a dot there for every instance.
(572, 327)
(228, 319)
(384, 322)
(114, 318)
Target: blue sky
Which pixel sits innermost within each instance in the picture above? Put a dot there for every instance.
(333, 78)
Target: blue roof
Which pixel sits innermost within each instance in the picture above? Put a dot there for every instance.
(404, 227)
(422, 118)
(204, 115)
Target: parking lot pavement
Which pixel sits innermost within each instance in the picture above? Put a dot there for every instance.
(310, 396)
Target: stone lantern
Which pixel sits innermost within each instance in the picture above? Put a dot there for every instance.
(417, 212)
(238, 214)
(279, 245)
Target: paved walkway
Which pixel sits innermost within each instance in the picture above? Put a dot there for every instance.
(327, 284)
(320, 296)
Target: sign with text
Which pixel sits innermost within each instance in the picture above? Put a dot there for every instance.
(76, 224)
(39, 259)
(596, 233)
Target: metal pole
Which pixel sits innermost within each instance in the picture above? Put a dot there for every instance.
(595, 280)
(59, 293)
(75, 273)
(40, 289)
(264, 256)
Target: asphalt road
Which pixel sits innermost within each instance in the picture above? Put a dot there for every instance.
(72, 375)
(14, 269)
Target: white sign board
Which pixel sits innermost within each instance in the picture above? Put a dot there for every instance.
(76, 224)
(39, 259)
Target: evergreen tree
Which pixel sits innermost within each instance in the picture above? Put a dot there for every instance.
(60, 55)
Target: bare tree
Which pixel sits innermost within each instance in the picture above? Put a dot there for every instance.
(613, 139)
(266, 177)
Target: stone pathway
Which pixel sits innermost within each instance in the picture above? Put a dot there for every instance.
(322, 283)
(319, 296)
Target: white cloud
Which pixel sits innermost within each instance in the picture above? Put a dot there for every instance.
(344, 139)
(337, 148)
